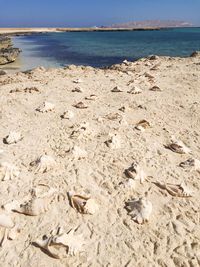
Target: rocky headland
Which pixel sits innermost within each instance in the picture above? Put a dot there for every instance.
(8, 53)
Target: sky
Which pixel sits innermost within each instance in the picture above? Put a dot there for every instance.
(87, 13)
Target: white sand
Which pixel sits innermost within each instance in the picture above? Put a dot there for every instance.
(172, 235)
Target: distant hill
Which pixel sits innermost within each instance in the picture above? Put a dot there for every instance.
(151, 24)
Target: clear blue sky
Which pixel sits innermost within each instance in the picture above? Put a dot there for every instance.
(72, 13)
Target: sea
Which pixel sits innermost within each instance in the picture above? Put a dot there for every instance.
(101, 49)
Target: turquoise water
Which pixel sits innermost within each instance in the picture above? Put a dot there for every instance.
(101, 49)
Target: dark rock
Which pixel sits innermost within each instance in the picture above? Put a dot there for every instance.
(153, 57)
(8, 55)
(195, 54)
(5, 42)
(3, 72)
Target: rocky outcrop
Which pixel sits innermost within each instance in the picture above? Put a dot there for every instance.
(8, 53)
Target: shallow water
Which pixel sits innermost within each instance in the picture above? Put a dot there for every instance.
(101, 49)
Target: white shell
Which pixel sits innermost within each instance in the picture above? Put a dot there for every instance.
(79, 153)
(114, 142)
(83, 204)
(77, 81)
(116, 90)
(178, 146)
(91, 97)
(191, 163)
(13, 137)
(68, 115)
(60, 244)
(135, 172)
(80, 105)
(8, 171)
(45, 107)
(176, 190)
(43, 164)
(6, 221)
(135, 90)
(140, 210)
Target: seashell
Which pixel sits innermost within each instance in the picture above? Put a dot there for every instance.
(176, 190)
(80, 105)
(11, 206)
(129, 184)
(60, 244)
(136, 173)
(13, 138)
(191, 163)
(31, 89)
(36, 206)
(79, 153)
(6, 221)
(135, 90)
(114, 142)
(46, 107)
(43, 164)
(80, 130)
(8, 171)
(113, 116)
(178, 146)
(91, 97)
(140, 210)
(142, 125)
(77, 90)
(82, 204)
(68, 115)
(155, 89)
(116, 89)
(77, 81)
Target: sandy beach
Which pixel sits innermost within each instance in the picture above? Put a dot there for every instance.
(95, 125)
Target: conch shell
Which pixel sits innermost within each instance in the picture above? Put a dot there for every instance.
(8, 171)
(116, 89)
(114, 142)
(68, 115)
(176, 190)
(135, 172)
(140, 210)
(12, 138)
(135, 90)
(83, 204)
(178, 146)
(191, 164)
(46, 107)
(60, 244)
(43, 164)
(142, 125)
(80, 105)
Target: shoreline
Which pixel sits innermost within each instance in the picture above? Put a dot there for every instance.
(26, 31)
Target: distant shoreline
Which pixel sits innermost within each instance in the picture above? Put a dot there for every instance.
(27, 31)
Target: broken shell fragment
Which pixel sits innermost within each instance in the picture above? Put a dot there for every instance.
(60, 244)
(83, 204)
(8, 171)
(79, 153)
(135, 90)
(68, 115)
(77, 90)
(77, 81)
(113, 116)
(12, 138)
(46, 107)
(142, 125)
(140, 209)
(155, 89)
(176, 190)
(43, 164)
(114, 142)
(80, 105)
(6, 221)
(91, 97)
(116, 89)
(191, 163)
(135, 172)
(178, 146)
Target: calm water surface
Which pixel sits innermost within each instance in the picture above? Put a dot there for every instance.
(101, 49)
